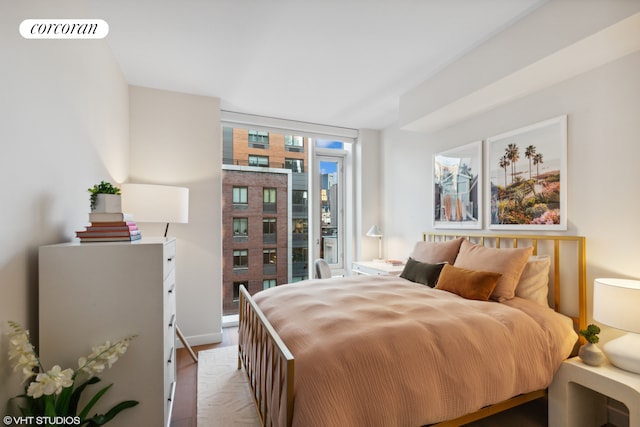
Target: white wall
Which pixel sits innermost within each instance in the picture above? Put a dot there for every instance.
(368, 179)
(176, 140)
(603, 106)
(63, 127)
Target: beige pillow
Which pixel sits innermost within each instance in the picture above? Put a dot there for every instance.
(468, 284)
(437, 252)
(507, 261)
(534, 281)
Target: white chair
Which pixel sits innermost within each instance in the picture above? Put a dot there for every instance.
(323, 271)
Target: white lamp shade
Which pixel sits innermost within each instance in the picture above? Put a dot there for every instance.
(616, 302)
(374, 231)
(156, 203)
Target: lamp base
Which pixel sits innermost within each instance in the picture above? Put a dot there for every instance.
(624, 352)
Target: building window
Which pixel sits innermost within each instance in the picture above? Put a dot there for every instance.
(236, 289)
(294, 143)
(241, 258)
(269, 200)
(269, 265)
(261, 161)
(269, 230)
(258, 139)
(268, 283)
(269, 256)
(240, 227)
(240, 195)
(295, 165)
(299, 201)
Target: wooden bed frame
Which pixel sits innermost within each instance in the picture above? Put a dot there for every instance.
(270, 366)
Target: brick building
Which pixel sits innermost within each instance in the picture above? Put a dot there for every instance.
(264, 212)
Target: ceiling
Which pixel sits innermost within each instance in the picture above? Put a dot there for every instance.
(334, 62)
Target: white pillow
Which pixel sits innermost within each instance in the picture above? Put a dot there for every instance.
(534, 281)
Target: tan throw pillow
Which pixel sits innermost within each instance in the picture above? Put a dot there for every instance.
(507, 261)
(469, 284)
(437, 252)
(534, 281)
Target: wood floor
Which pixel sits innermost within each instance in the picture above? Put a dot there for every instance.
(532, 414)
(184, 407)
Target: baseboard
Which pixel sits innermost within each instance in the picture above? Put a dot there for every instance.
(204, 339)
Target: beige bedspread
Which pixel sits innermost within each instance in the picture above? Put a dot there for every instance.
(383, 351)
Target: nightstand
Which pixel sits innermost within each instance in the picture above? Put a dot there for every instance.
(578, 394)
(376, 268)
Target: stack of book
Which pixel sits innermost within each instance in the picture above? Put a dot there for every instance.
(110, 227)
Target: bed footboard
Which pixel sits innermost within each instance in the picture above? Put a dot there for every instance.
(268, 363)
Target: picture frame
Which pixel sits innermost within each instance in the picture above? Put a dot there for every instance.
(457, 187)
(527, 177)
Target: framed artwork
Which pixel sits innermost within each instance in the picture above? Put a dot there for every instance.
(457, 192)
(527, 185)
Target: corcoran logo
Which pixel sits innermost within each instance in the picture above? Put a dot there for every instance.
(64, 29)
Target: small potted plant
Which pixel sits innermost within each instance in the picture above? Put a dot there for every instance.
(105, 198)
(589, 352)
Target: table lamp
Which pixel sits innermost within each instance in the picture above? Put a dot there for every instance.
(616, 303)
(158, 203)
(374, 231)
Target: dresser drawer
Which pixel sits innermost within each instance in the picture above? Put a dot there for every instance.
(169, 257)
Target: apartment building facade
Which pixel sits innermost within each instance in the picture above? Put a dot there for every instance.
(265, 214)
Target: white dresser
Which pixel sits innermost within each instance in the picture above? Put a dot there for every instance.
(90, 293)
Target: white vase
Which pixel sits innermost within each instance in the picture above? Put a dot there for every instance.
(591, 354)
(108, 203)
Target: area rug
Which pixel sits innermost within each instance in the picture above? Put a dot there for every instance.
(224, 398)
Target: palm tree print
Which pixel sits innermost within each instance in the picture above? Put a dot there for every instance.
(537, 160)
(513, 155)
(504, 164)
(529, 153)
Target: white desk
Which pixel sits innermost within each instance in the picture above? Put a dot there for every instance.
(578, 394)
(373, 268)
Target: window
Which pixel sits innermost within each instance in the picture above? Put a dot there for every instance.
(262, 161)
(240, 227)
(269, 256)
(236, 290)
(268, 283)
(296, 165)
(299, 200)
(330, 181)
(269, 230)
(258, 139)
(269, 200)
(294, 143)
(241, 258)
(294, 211)
(240, 195)
(269, 262)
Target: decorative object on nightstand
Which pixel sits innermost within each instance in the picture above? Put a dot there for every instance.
(159, 203)
(374, 231)
(616, 303)
(108, 222)
(105, 198)
(589, 352)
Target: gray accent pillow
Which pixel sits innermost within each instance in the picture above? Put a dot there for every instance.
(422, 272)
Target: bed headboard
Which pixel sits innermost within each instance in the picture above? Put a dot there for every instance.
(568, 265)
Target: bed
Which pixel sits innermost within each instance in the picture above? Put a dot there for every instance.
(399, 351)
